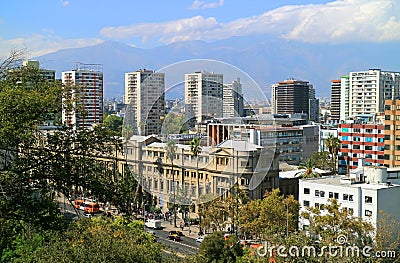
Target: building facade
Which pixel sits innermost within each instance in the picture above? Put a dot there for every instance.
(145, 95)
(392, 133)
(368, 90)
(84, 87)
(360, 141)
(233, 99)
(291, 96)
(189, 180)
(335, 100)
(203, 97)
(365, 193)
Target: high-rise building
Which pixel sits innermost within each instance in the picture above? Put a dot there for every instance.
(369, 89)
(233, 99)
(335, 100)
(313, 108)
(84, 87)
(291, 96)
(145, 95)
(344, 97)
(203, 96)
(392, 133)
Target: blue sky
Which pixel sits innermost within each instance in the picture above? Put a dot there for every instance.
(48, 25)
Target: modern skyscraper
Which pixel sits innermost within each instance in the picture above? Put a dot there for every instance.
(369, 89)
(233, 99)
(145, 95)
(335, 100)
(84, 87)
(292, 96)
(344, 97)
(203, 96)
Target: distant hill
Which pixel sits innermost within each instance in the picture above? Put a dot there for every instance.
(266, 60)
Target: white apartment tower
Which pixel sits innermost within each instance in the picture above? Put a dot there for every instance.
(203, 96)
(84, 86)
(145, 97)
(367, 92)
(233, 99)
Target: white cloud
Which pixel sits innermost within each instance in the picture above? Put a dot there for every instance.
(334, 22)
(37, 45)
(65, 3)
(200, 5)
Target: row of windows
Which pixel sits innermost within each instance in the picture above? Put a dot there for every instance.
(320, 193)
(359, 139)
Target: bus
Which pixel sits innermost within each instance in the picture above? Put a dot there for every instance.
(91, 207)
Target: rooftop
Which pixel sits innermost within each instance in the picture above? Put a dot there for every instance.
(338, 181)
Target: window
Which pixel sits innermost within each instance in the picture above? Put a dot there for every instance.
(345, 197)
(307, 191)
(368, 199)
(322, 193)
(345, 129)
(345, 138)
(356, 139)
(330, 195)
(368, 148)
(317, 205)
(336, 195)
(368, 213)
(317, 193)
(368, 139)
(306, 203)
(356, 130)
(350, 197)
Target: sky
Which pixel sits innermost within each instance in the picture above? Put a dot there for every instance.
(46, 26)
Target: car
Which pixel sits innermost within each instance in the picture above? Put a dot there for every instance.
(174, 238)
(200, 239)
(174, 232)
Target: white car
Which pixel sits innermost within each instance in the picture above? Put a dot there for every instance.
(200, 239)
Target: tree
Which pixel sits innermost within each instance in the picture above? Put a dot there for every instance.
(322, 160)
(215, 249)
(195, 150)
(170, 149)
(272, 217)
(309, 167)
(114, 123)
(333, 145)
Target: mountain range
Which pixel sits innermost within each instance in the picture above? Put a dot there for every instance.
(264, 59)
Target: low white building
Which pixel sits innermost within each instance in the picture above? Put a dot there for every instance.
(366, 192)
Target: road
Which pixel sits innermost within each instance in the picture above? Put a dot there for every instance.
(188, 246)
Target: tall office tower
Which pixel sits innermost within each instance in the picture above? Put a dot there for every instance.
(344, 98)
(291, 96)
(369, 89)
(84, 86)
(233, 99)
(145, 95)
(335, 100)
(48, 74)
(392, 133)
(203, 96)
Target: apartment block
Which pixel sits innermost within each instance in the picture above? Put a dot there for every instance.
(145, 100)
(335, 100)
(360, 141)
(233, 99)
(392, 133)
(203, 97)
(367, 91)
(84, 87)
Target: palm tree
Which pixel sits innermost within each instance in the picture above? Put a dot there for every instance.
(333, 145)
(170, 149)
(195, 149)
(309, 167)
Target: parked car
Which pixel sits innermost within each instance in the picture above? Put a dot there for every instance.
(174, 238)
(200, 239)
